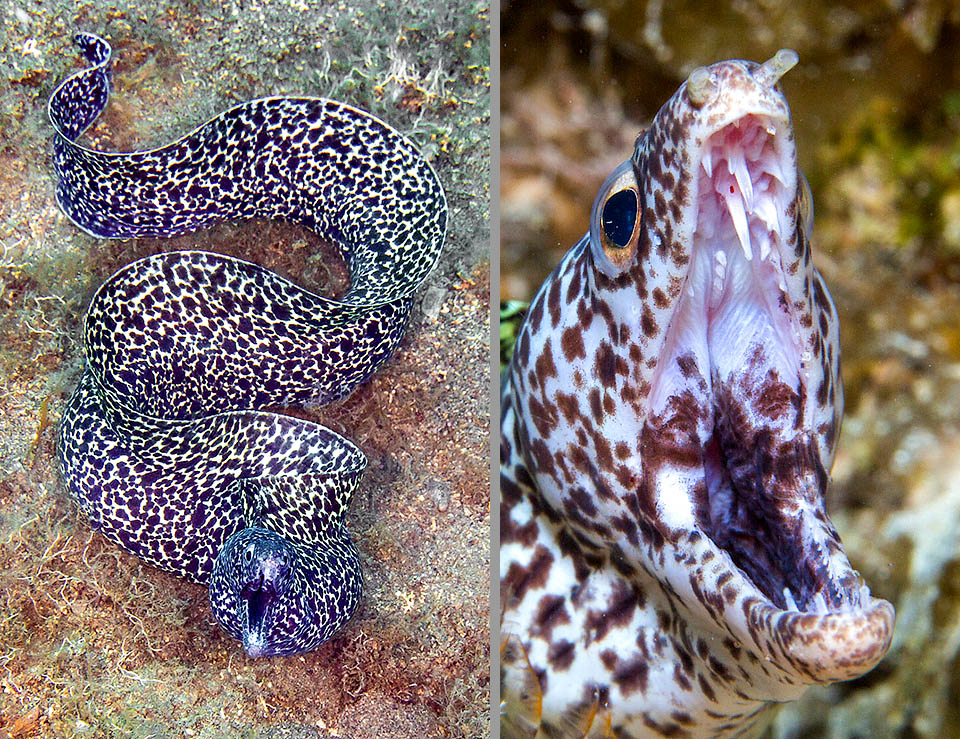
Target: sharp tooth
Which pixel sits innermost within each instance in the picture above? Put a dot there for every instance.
(738, 168)
(739, 217)
(773, 167)
(820, 603)
(771, 130)
(764, 246)
(788, 597)
(707, 163)
(765, 210)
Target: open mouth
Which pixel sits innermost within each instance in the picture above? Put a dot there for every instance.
(730, 402)
(258, 595)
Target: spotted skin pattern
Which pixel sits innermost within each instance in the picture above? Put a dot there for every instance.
(164, 443)
(663, 459)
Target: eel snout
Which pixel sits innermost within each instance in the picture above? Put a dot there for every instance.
(840, 645)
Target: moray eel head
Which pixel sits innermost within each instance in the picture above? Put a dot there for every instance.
(251, 586)
(705, 347)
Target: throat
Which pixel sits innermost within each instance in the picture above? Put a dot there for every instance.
(258, 596)
(727, 404)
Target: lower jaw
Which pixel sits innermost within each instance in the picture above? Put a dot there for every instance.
(793, 648)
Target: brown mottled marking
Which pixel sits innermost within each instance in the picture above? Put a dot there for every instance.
(573, 289)
(544, 364)
(660, 299)
(603, 453)
(660, 205)
(605, 365)
(609, 659)
(550, 613)
(596, 408)
(569, 406)
(706, 687)
(535, 316)
(583, 500)
(553, 303)
(571, 342)
(631, 676)
(545, 418)
(776, 400)
(510, 532)
(648, 322)
(544, 460)
(670, 730)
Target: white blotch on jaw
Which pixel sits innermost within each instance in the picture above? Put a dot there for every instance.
(675, 510)
(270, 568)
(254, 644)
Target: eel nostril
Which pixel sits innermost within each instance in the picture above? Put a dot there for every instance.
(701, 86)
(770, 72)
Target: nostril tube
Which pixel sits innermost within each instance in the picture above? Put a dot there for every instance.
(770, 72)
(701, 86)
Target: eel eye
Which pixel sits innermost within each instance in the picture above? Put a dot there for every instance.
(620, 217)
(248, 554)
(805, 204)
(616, 219)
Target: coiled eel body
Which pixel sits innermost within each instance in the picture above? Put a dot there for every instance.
(164, 444)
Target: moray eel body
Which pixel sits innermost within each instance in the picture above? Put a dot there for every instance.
(669, 419)
(164, 443)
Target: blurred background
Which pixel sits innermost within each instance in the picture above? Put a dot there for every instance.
(876, 106)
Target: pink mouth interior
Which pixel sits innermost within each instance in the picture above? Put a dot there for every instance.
(734, 349)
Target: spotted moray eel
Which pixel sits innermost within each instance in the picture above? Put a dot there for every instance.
(164, 443)
(669, 419)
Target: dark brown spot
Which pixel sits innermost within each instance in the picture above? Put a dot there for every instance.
(544, 365)
(571, 342)
(550, 613)
(605, 366)
(573, 289)
(660, 204)
(569, 406)
(660, 299)
(631, 676)
(648, 322)
(553, 302)
(706, 688)
(561, 654)
(520, 579)
(544, 460)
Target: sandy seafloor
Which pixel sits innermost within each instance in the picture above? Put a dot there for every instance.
(876, 104)
(93, 643)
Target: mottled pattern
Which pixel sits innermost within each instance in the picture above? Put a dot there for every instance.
(163, 444)
(668, 422)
